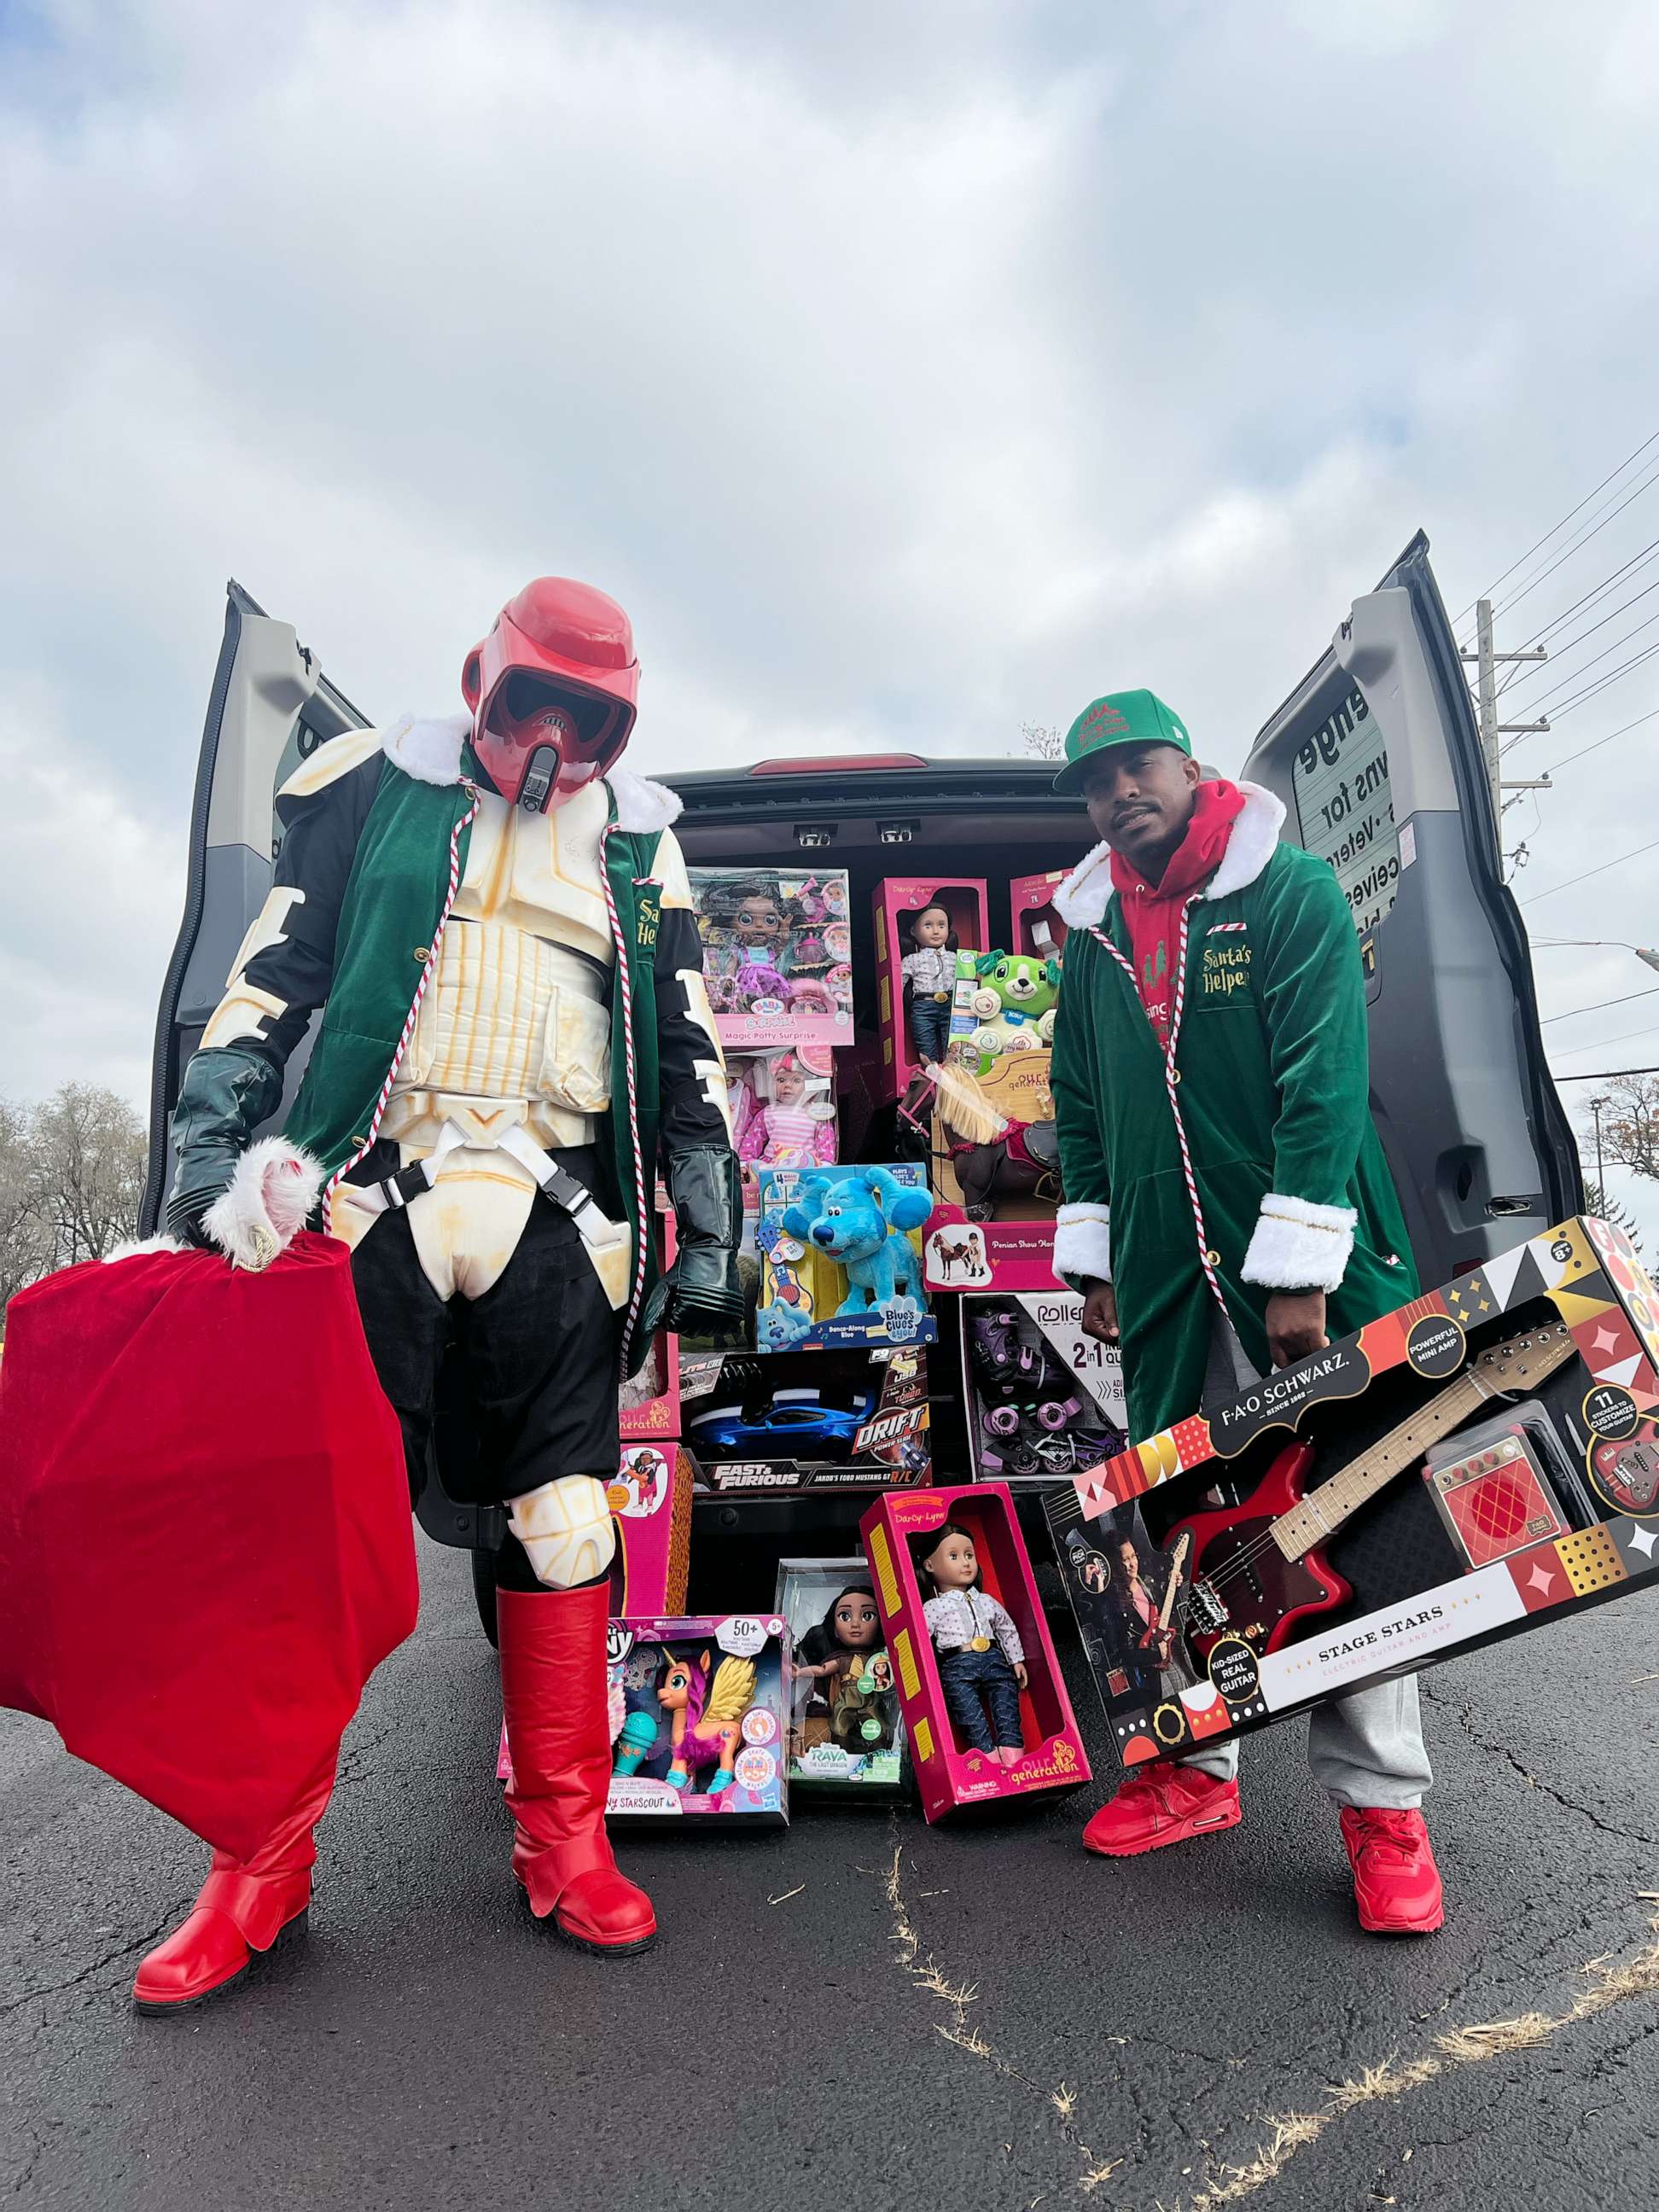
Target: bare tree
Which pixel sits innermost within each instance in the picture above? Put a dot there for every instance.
(1046, 743)
(1629, 1123)
(22, 1245)
(1608, 1208)
(86, 1155)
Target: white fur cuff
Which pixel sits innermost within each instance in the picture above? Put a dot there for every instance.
(266, 1203)
(1083, 1244)
(134, 1248)
(1298, 1246)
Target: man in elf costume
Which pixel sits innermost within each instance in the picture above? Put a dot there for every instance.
(1227, 1191)
(496, 923)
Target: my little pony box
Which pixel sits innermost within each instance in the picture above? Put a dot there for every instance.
(950, 1773)
(699, 1712)
(898, 900)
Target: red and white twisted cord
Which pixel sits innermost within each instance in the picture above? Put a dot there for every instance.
(413, 1015)
(1171, 1079)
(642, 1222)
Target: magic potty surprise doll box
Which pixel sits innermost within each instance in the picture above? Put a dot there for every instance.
(1481, 1459)
(984, 1704)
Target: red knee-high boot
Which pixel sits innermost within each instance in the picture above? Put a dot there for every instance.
(553, 1687)
(243, 1908)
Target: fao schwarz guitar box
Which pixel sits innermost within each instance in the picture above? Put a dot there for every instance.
(1480, 1460)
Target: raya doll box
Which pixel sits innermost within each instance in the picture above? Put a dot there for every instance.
(777, 952)
(1483, 1459)
(845, 1732)
(699, 1706)
(921, 915)
(984, 1704)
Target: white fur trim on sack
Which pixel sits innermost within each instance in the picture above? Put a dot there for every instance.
(266, 1203)
(1085, 895)
(428, 748)
(135, 1246)
(1083, 1244)
(1298, 1246)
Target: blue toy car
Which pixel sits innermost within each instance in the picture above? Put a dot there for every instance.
(796, 1425)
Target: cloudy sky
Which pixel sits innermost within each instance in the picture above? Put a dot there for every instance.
(909, 373)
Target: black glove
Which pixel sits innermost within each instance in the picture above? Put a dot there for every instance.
(701, 1295)
(224, 1097)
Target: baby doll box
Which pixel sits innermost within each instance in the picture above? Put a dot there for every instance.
(949, 1774)
(650, 1506)
(699, 1709)
(841, 1253)
(816, 1421)
(768, 1132)
(1037, 928)
(1043, 1400)
(845, 1731)
(777, 955)
(1493, 1452)
(1013, 1251)
(897, 899)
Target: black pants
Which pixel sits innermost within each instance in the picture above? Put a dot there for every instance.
(534, 1364)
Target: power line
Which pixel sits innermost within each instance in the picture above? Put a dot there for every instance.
(1605, 1074)
(1597, 1006)
(1602, 682)
(1525, 673)
(1562, 524)
(1588, 873)
(1565, 683)
(1578, 546)
(1622, 1037)
(1608, 740)
(1636, 559)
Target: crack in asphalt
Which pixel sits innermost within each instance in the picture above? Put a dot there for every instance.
(170, 1918)
(1465, 1720)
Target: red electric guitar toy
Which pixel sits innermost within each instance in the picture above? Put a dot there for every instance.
(1257, 1569)
(1158, 1637)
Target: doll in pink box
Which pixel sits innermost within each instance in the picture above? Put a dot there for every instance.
(981, 1661)
(792, 1130)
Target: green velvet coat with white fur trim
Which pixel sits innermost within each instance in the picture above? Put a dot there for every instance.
(1274, 1095)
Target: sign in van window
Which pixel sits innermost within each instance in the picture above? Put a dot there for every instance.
(1345, 807)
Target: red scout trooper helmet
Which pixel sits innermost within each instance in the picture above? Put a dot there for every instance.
(553, 690)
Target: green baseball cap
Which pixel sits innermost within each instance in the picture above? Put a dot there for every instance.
(1120, 718)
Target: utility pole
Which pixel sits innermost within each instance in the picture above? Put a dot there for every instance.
(1596, 1104)
(1492, 730)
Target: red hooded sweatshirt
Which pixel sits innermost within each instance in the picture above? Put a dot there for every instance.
(1152, 911)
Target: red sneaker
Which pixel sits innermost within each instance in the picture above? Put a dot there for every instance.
(1396, 1883)
(1163, 1804)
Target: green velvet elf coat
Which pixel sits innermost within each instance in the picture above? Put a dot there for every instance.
(367, 851)
(1273, 1089)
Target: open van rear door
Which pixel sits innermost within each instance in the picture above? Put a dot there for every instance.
(271, 705)
(1377, 758)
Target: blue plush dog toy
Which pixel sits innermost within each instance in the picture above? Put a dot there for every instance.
(858, 1216)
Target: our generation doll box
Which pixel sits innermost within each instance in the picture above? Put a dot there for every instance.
(950, 1773)
(897, 900)
(841, 1257)
(1483, 1459)
(649, 1411)
(1037, 928)
(699, 1711)
(777, 955)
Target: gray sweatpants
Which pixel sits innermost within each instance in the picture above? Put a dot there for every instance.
(1366, 1748)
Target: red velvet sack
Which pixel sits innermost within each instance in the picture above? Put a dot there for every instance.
(205, 1540)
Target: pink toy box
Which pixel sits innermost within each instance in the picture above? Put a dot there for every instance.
(650, 1503)
(1014, 1251)
(1038, 930)
(949, 1771)
(699, 1717)
(777, 955)
(897, 899)
(650, 1407)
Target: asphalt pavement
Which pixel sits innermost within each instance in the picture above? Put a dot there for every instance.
(864, 2012)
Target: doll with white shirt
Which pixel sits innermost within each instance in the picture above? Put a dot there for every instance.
(981, 1661)
(929, 969)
